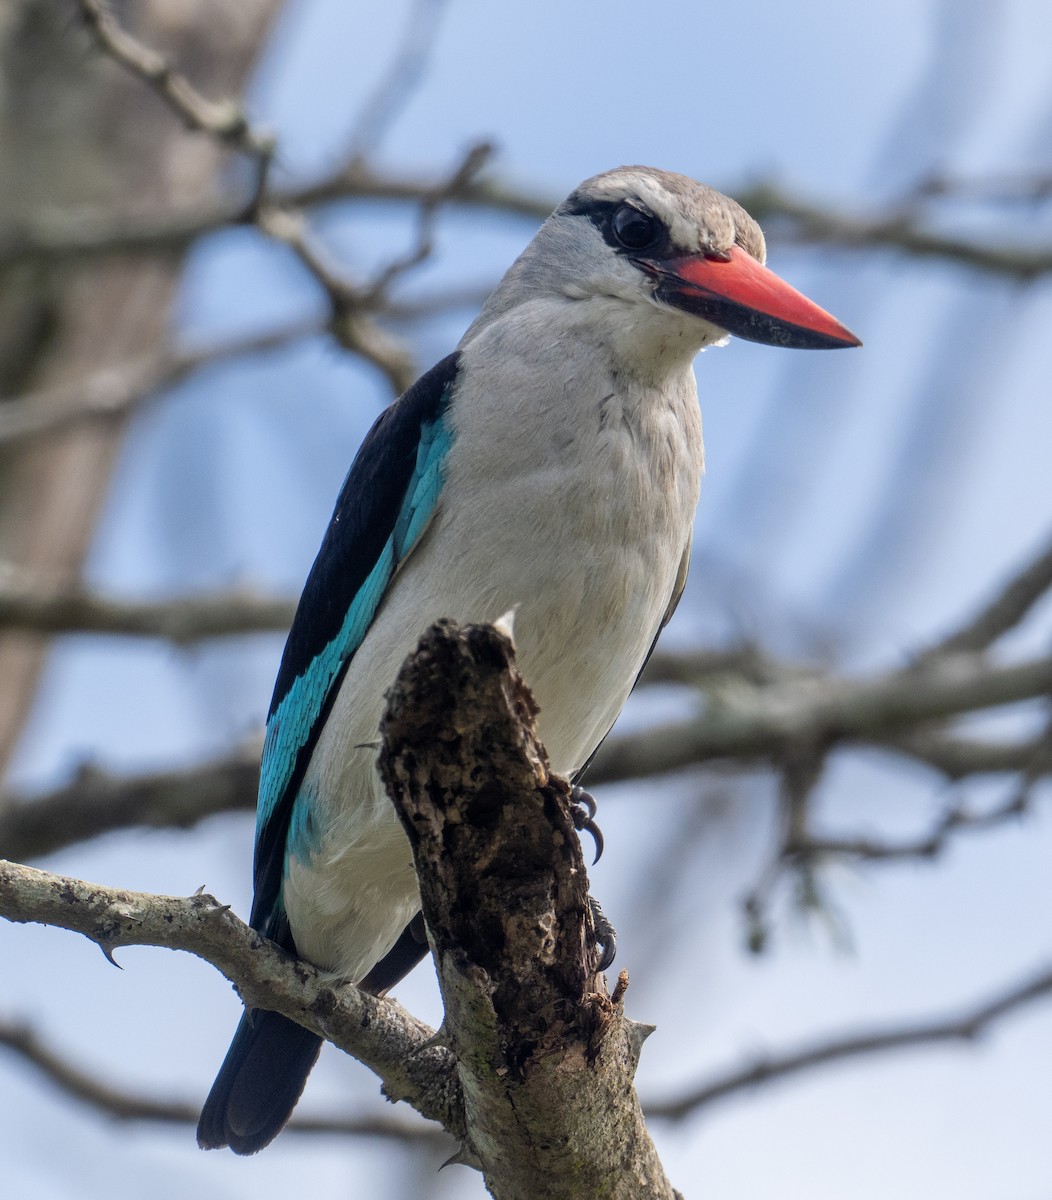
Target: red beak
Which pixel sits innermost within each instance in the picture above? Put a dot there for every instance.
(748, 300)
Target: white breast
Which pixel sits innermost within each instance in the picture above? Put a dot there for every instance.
(569, 496)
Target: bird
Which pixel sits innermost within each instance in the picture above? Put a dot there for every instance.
(550, 465)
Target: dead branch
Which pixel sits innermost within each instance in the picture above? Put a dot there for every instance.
(537, 1084)
(542, 1049)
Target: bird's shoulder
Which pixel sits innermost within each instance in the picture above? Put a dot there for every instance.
(385, 503)
(370, 508)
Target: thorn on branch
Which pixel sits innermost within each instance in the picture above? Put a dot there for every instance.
(379, 1033)
(107, 948)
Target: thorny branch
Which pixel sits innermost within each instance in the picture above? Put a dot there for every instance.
(532, 1043)
(379, 1033)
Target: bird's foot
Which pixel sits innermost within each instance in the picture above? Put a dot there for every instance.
(605, 935)
(582, 810)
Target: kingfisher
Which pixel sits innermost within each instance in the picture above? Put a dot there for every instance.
(550, 465)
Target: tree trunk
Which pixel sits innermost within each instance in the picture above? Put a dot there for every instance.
(78, 133)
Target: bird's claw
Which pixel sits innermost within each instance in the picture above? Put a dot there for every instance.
(605, 935)
(582, 810)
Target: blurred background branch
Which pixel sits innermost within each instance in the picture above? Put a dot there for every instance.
(81, 1085)
(966, 1026)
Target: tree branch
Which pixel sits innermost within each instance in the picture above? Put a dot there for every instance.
(929, 845)
(967, 1026)
(225, 121)
(957, 757)
(379, 1033)
(900, 227)
(96, 803)
(1004, 611)
(72, 236)
(351, 324)
(57, 610)
(113, 393)
(759, 724)
(705, 668)
(537, 1047)
(124, 1105)
(76, 235)
(541, 1049)
(351, 303)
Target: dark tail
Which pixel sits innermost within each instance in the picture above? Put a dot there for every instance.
(258, 1084)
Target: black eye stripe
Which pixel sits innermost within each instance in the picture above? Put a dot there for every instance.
(604, 213)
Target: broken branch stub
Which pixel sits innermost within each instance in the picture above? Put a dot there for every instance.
(545, 1055)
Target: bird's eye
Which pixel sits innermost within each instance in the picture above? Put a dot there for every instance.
(636, 229)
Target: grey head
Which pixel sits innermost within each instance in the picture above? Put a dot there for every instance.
(638, 240)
